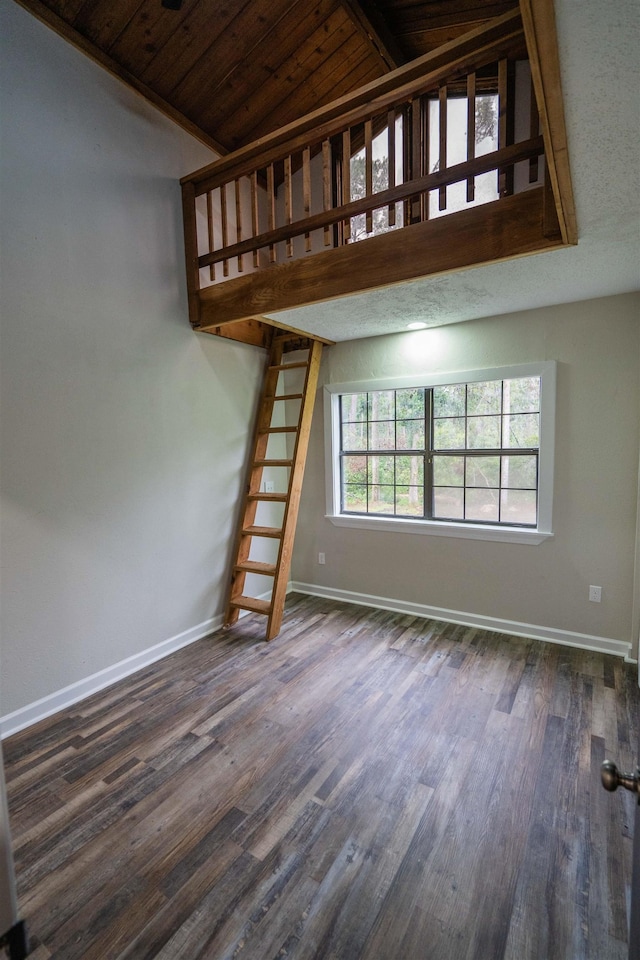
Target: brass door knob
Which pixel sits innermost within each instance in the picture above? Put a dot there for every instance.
(612, 778)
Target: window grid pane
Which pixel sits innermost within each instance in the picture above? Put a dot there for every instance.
(479, 441)
(383, 441)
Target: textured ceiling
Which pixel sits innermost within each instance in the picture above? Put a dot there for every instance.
(598, 44)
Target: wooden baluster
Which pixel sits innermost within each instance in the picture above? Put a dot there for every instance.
(326, 187)
(255, 228)
(502, 123)
(417, 211)
(442, 162)
(306, 191)
(391, 155)
(191, 251)
(288, 201)
(534, 129)
(346, 179)
(471, 132)
(271, 200)
(368, 168)
(225, 225)
(236, 184)
(210, 232)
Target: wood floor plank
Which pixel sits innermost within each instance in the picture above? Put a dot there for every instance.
(368, 786)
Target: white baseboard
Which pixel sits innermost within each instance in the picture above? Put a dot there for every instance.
(68, 696)
(565, 637)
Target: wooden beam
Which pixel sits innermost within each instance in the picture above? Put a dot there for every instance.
(538, 18)
(51, 19)
(493, 232)
(252, 331)
(257, 331)
(191, 250)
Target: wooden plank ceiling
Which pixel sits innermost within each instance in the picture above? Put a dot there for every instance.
(231, 71)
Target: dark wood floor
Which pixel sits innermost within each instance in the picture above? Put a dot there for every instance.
(369, 786)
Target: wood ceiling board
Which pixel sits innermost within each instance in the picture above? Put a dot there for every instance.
(103, 23)
(208, 90)
(206, 37)
(235, 106)
(67, 10)
(357, 70)
(286, 38)
(153, 26)
(332, 71)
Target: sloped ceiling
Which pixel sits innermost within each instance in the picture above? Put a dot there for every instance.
(231, 71)
(234, 70)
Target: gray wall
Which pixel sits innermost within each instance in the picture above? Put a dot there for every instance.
(124, 434)
(597, 346)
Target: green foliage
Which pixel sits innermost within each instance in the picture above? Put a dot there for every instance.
(449, 401)
(486, 415)
(486, 117)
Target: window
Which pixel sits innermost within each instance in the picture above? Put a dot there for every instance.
(453, 148)
(388, 161)
(466, 455)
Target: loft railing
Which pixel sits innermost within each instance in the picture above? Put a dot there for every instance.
(383, 160)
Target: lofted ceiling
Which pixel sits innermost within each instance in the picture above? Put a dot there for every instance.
(233, 70)
(230, 71)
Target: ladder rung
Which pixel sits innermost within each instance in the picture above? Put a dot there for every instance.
(287, 396)
(291, 429)
(257, 566)
(251, 603)
(269, 497)
(273, 463)
(290, 366)
(254, 531)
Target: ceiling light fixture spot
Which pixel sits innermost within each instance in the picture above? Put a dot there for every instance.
(416, 325)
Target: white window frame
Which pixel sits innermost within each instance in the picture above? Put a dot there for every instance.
(546, 370)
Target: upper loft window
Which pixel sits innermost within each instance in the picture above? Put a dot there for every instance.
(375, 170)
(454, 129)
(449, 133)
(466, 457)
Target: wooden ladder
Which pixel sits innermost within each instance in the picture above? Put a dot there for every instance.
(277, 425)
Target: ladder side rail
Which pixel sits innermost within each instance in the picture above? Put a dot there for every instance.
(243, 541)
(285, 550)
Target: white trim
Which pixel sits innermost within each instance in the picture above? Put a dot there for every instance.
(566, 638)
(68, 696)
(635, 613)
(546, 370)
(437, 528)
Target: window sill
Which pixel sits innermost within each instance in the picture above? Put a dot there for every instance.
(467, 531)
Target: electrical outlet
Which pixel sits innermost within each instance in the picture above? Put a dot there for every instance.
(595, 594)
(321, 558)
(268, 486)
